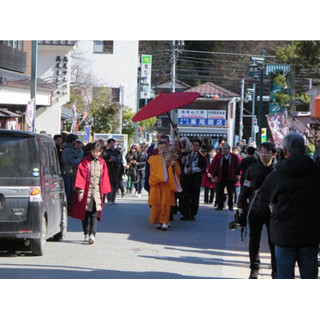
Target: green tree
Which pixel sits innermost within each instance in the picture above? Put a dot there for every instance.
(128, 127)
(148, 123)
(81, 103)
(297, 54)
(103, 112)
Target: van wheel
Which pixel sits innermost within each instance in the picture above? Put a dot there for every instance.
(63, 225)
(38, 244)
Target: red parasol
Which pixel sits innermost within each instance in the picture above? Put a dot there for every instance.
(164, 103)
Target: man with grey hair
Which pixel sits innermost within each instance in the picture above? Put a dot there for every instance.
(293, 190)
(224, 174)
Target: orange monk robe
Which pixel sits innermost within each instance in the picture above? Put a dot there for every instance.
(164, 182)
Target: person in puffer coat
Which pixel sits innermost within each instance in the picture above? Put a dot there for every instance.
(260, 211)
(293, 191)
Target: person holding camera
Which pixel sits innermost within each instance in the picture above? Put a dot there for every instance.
(292, 190)
(259, 211)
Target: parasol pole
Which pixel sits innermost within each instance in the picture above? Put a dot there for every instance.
(174, 129)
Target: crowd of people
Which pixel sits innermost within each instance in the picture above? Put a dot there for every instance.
(274, 187)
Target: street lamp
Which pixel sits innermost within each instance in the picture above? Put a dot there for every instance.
(253, 71)
(252, 92)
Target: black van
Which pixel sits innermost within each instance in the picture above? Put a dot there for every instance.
(33, 205)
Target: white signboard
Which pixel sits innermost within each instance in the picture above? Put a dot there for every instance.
(217, 114)
(145, 90)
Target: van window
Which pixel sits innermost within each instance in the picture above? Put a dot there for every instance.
(45, 160)
(53, 161)
(19, 157)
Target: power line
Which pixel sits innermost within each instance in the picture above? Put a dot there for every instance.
(227, 53)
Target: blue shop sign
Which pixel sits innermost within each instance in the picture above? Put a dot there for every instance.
(201, 122)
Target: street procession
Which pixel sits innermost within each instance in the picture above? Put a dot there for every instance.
(168, 149)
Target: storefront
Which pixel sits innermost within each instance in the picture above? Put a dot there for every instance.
(211, 117)
(207, 135)
(9, 120)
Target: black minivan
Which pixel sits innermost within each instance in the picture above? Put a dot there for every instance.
(33, 205)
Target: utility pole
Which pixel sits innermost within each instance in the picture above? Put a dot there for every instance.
(173, 83)
(253, 134)
(137, 109)
(261, 96)
(174, 51)
(310, 88)
(34, 71)
(241, 111)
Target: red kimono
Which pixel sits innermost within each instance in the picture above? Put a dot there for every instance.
(206, 181)
(78, 209)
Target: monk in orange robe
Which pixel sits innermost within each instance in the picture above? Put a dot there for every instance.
(164, 181)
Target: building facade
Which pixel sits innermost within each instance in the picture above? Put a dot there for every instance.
(53, 83)
(112, 64)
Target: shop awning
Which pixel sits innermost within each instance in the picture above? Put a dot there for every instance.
(8, 114)
(215, 132)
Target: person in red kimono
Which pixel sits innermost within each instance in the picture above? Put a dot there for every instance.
(207, 183)
(92, 182)
(237, 185)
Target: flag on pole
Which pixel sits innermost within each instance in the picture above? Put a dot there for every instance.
(83, 117)
(278, 127)
(74, 118)
(29, 115)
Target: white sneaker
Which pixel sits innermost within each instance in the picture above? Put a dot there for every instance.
(91, 239)
(139, 195)
(164, 227)
(86, 238)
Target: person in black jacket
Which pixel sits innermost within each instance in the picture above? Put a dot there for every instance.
(113, 159)
(260, 211)
(140, 158)
(58, 139)
(245, 163)
(194, 165)
(293, 190)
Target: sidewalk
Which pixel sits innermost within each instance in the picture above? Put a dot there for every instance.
(204, 248)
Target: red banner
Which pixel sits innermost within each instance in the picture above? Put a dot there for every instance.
(278, 127)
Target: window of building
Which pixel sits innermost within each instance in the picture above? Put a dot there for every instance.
(115, 94)
(103, 47)
(15, 44)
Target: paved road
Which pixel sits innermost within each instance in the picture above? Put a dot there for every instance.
(129, 247)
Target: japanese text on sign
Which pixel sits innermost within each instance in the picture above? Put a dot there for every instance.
(197, 117)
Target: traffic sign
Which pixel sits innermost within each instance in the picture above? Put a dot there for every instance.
(263, 135)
